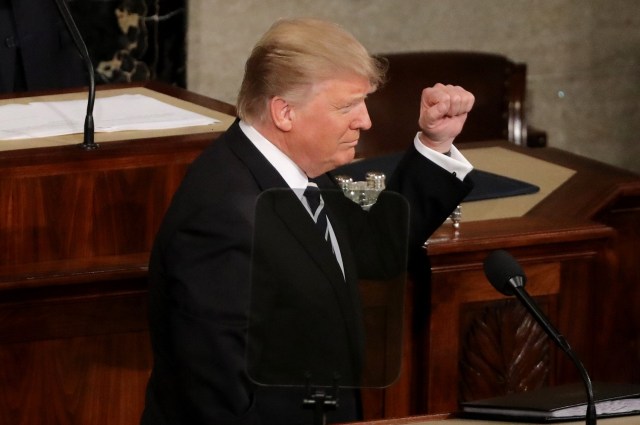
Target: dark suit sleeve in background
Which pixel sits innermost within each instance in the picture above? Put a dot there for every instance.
(37, 51)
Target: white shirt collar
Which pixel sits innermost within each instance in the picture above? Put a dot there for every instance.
(290, 172)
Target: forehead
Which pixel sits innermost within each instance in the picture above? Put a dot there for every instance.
(342, 88)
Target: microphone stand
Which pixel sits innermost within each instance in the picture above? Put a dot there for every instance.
(517, 284)
(88, 142)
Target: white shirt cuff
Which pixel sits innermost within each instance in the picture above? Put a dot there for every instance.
(456, 163)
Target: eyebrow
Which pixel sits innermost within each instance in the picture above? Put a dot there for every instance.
(354, 99)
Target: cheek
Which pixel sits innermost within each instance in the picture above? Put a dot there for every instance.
(325, 139)
(344, 155)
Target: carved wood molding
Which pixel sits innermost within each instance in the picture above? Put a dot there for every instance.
(503, 350)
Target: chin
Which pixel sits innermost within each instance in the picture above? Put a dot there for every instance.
(348, 157)
(345, 157)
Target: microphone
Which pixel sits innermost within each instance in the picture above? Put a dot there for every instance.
(89, 130)
(507, 277)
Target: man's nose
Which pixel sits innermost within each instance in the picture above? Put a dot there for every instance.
(363, 122)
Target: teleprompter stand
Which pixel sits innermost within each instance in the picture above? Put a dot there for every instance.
(320, 400)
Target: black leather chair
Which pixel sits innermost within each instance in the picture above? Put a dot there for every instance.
(498, 84)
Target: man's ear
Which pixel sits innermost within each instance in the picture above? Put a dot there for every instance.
(282, 113)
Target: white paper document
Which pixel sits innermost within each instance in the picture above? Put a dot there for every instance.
(117, 113)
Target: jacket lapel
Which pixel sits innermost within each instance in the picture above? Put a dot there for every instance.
(297, 219)
(299, 222)
(265, 175)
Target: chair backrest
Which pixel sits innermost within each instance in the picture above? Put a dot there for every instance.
(497, 83)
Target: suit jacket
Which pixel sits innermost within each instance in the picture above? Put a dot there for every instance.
(200, 282)
(37, 51)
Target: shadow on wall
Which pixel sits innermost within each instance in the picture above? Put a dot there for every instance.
(134, 40)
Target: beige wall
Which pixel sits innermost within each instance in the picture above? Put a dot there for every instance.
(583, 56)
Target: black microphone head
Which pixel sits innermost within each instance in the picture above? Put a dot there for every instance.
(500, 268)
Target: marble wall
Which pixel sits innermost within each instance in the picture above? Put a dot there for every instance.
(134, 40)
(583, 56)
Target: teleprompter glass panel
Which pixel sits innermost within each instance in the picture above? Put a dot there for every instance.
(316, 322)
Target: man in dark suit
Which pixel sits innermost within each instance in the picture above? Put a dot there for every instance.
(301, 108)
(36, 50)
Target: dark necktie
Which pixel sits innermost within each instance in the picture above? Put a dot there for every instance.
(312, 193)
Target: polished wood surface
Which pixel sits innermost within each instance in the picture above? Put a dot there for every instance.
(76, 228)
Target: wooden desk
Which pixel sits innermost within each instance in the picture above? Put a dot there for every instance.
(447, 420)
(579, 249)
(76, 229)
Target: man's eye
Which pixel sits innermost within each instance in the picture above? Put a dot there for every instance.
(348, 107)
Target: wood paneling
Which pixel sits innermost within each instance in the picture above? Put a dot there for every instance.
(76, 228)
(80, 380)
(577, 249)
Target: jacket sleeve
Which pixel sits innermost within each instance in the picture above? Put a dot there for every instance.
(200, 292)
(432, 192)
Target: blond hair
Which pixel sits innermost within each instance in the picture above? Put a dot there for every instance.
(296, 53)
